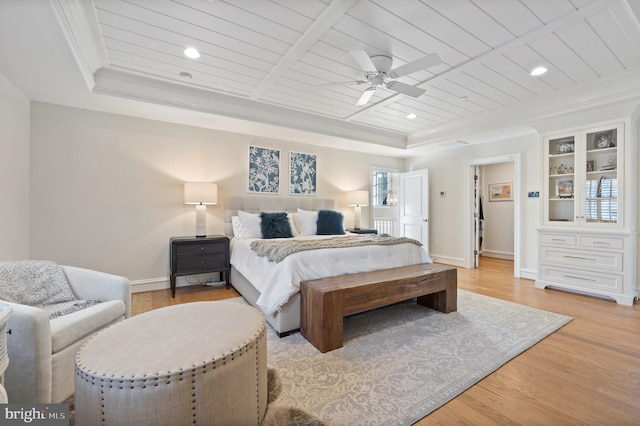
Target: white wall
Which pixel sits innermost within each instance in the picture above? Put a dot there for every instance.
(447, 172)
(14, 172)
(498, 215)
(107, 190)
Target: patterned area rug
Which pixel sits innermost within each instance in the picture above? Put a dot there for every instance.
(401, 362)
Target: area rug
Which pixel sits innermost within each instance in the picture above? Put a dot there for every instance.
(401, 362)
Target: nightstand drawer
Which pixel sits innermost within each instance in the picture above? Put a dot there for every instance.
(198, 249)
(197, 263)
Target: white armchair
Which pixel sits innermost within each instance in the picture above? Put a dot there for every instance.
(42, 351)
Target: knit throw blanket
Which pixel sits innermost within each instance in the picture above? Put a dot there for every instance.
(42, 284)
(277, 250)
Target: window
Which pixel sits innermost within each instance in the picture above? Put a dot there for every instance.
(383, 192)
(380, 187)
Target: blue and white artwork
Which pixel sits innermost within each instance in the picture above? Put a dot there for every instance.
(264, 170)
(302, 173)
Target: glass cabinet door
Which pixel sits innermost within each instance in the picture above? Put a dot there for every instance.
(584, 177)
(602, 183)
(560, 193)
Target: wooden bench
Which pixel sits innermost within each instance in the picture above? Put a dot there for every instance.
(324, 302)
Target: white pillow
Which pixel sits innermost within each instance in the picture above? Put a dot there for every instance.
(251, 224)
(308, 221)
(293, 219)
(238, 230)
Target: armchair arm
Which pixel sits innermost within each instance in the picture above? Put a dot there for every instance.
(90, 284)
(28, 376)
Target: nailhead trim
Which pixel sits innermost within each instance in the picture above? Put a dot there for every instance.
(95, 378)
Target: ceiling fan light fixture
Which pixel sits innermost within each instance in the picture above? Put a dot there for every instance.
(538, 71)
(191, 52)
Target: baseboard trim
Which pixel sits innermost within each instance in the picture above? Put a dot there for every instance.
(162, 283)
(150, 284)
(447, 260)
(529, 274)
(497, 254)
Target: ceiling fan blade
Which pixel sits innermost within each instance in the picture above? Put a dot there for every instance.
(420, 64)
(343, 83)
(363, 60)
(406, 89)
(366, 95)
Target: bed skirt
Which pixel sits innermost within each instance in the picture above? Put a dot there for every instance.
(284, 322)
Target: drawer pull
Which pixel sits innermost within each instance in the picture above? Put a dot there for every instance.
(558, 239)
(578, 257)
(202, 262)
(201, 248)
(600, 243)
(578, 278)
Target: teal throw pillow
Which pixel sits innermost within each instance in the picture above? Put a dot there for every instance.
(275, 225)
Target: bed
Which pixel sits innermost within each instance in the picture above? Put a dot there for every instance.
(273, 287)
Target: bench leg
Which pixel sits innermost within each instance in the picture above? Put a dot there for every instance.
(444, 301)
(321, 318)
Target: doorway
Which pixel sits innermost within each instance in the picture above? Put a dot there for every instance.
(472, 189)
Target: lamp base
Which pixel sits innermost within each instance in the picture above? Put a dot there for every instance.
(356, 217)
(201, 220)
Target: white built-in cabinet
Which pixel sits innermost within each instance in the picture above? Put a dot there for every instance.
(586, 244)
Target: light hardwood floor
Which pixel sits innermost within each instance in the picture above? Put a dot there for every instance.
(587, 373)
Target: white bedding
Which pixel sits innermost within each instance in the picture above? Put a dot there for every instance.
(277, 282)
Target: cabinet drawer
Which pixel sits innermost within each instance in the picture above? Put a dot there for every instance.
(607, 261)
(580, 279)
(601, 242)
(201, 263)
(197, 249)
(559, 239)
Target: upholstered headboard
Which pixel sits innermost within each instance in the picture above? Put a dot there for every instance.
(262, 203)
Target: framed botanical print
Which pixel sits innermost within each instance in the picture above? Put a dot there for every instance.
(302, 173)
(264, 170)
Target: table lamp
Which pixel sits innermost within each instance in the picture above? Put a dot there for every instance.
(357, 199)
(201, 194)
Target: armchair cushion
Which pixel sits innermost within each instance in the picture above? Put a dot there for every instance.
(34, 283)
(70, 328)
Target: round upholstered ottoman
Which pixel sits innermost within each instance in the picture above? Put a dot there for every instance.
(202, 363)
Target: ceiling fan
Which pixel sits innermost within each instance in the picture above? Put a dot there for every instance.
(378, 73)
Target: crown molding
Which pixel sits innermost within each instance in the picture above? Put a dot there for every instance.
(80, 28)
(124, 84)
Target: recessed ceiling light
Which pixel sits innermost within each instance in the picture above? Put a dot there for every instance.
(191, 52)
(411, 116)
(538, 71)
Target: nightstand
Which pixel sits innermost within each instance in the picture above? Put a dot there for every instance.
(198, 255)
(362, 231)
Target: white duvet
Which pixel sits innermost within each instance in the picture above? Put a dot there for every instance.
(277, 282)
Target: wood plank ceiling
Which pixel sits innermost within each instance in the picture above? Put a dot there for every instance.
(282, 53)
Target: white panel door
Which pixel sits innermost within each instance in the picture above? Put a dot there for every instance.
(414, 206)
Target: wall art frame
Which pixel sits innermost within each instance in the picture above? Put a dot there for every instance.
(303, 170)
(264, 170)
(500, 191)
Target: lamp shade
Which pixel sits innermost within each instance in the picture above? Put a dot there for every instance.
(203, 193)
(358, 198)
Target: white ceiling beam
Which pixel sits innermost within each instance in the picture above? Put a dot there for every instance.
(125, 84)
(329, 16)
